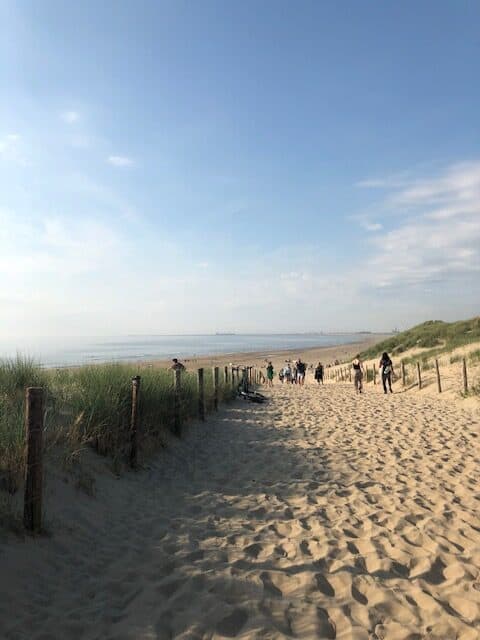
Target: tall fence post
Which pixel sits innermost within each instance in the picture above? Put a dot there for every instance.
(366, 374)
(215, 388)
(134, 422)
(404, 376)
(232, 373)
(201, 394)
(419, 376)
(32, 509)
(350, 374)
(465, 379)
(439, 384)
(374, 374)
(177, 424)
(225, 375)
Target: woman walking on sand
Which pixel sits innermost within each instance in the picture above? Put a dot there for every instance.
(319, 373)
(357, 365)
(386, 367)
(270, 374)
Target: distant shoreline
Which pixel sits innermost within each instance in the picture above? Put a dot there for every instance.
(144, 350)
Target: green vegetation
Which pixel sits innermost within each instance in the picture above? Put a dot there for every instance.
(90, 407)
(435, 335)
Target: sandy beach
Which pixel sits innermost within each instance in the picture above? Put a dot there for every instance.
(318, 515)
(259, 358)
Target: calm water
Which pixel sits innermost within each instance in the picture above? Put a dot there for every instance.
(57, 352)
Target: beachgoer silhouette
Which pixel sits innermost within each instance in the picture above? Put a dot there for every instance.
(319, 373)
(177, 366)
(301, 368)
(270, 374)
(357, 365)
(386, 368)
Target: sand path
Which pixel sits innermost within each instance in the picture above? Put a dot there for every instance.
(319, 515)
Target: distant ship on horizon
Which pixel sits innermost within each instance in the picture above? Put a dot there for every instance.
(225, 333)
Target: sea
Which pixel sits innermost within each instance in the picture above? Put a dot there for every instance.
(67, 352)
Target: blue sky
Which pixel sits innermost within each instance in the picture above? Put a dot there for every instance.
(248, 166)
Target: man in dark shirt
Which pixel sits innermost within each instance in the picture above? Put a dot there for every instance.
(301, 367)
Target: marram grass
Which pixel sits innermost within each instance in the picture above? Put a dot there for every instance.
(91, 406)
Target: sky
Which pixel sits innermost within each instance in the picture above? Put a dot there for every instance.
(256, 166)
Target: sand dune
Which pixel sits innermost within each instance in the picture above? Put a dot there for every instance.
(320, 515)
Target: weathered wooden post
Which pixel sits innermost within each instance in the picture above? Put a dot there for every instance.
(201, 394)
(439, 384)
(134, 422)
(215, 388)
(177, 423)
(374, 374)
(225, 375)
(419, 376)
(32, 508)
(350, 374)
(465, 379)
(404, 375)
(232, 373)
(366, 373)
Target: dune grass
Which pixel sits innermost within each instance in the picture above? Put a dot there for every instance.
(435, 335)
(90, 407)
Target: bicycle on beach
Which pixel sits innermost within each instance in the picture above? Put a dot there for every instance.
(243, 390)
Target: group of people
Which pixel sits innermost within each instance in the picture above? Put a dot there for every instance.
(386, 372)
(293, 372)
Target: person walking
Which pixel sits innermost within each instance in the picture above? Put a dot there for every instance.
(319, 373)
(386, 367)
(177, 366)
(287, 373)
(301, 370)
(357, 365)
(270, 373)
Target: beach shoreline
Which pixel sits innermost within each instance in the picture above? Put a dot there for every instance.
(311, 355)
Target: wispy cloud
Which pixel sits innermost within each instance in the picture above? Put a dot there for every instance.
(436, 230)
(70, 117)
(8, 142)
(120, 161)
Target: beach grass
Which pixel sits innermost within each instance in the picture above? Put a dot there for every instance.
(90, 406)
(435, 336)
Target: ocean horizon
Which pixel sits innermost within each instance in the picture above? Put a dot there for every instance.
(75, 351)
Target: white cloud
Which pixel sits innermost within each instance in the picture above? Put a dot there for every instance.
(120, 161)
(70, 117)
(436, 230)
(8, 143)
(372, 226)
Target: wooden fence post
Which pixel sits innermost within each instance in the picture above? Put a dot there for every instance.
(439, 384)
(465, 379)
(177, 423)
(419, 376)
(225, 375)
(32, 508)
(134, 422)
(366, 374)
(201, 394)
(374, 374)
(350, 374)
(404, 376)
(215, 388)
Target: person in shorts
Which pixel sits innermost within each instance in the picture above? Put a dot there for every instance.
(301, 369)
